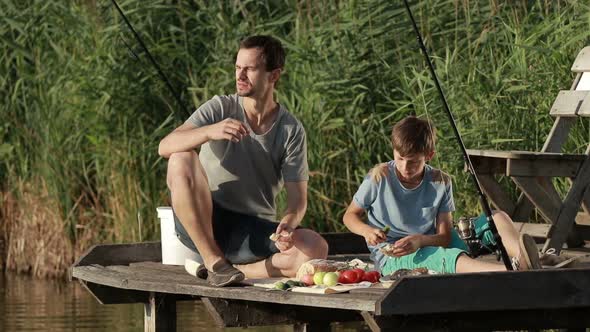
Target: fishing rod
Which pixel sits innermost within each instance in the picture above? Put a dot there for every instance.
(482, 198)
(152, 60)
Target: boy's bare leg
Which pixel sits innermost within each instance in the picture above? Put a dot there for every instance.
(191, 201)
(511, 240)
(467, 264)
(307, 245)
(507, 232)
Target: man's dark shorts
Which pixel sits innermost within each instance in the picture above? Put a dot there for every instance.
(242, 238)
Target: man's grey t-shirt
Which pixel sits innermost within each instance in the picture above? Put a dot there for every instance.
(246, 176)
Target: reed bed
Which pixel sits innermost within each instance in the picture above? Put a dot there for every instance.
(82, 110)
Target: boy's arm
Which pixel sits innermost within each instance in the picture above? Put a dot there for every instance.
(442, 238)
(354, 222)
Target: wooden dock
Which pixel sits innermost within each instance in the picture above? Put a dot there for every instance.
(549, 298)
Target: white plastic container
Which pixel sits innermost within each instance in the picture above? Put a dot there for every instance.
(173, 251)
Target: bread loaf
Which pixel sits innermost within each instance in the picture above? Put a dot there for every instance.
(320, 265)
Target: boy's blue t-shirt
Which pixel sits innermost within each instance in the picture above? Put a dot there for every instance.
(405, 211)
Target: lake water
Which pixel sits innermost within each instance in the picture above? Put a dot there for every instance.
(28, 304)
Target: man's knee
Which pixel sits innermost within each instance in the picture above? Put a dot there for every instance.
(310, 244)
(180, 169)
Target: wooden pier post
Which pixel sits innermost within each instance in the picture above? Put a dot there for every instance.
(160, 313)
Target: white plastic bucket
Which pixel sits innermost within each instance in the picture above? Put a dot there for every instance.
(173, 251)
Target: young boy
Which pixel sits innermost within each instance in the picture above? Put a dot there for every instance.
(416, 201)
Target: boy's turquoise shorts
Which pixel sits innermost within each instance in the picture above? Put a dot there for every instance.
(439, 259)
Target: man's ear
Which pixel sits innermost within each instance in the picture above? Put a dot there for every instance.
(430, 155)
(275, 75)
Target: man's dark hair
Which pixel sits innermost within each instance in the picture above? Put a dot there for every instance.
(273, 52)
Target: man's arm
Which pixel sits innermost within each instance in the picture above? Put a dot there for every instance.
(296, 203)
(296, 207)
(188, 137)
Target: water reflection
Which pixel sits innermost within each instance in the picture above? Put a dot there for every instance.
(28, 304)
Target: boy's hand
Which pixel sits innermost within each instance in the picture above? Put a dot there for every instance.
(407, 245)
(374, 236)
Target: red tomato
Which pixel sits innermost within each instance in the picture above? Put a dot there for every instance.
(360, 274)
(372, 276)
(349, 277)
(341, 278)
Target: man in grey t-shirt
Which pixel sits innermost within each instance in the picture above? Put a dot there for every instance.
(224, 197)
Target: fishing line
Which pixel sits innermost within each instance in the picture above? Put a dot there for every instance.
(150, 57)
(483, 200)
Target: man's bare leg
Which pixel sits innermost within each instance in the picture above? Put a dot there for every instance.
(191, 201)
(307, 245)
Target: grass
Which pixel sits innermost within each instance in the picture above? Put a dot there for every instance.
(82, 110)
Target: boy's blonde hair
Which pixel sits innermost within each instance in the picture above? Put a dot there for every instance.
(409, 136)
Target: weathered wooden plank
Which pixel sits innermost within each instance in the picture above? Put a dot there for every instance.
(545, 168)
(483, 320)
(539, 289)
(539, 231)
(118, 254)
(123, 254)
(536, 194)
(110, 295)
(558, 134)
(582, 62)
(523, 209)
(570, 208)
(495, 193)
(160, 313)
(584, 110)
(153, 283)
(586, 202)
(487, 166)
(139, 272)
(345, 243)
(156, 267)
(528, 155)
(237, 313)
(568, 103)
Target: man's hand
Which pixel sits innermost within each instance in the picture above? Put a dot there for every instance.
(407, 245)
(285, 239)
(229, 129)
(374, 236)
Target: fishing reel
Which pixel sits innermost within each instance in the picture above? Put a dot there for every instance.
(466, 230)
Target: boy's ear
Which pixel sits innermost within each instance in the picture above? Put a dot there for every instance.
(430, 155)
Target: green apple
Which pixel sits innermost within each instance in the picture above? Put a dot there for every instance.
(318, 278)
(330, 279)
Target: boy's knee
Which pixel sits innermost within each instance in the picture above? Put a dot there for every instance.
(501, 216)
